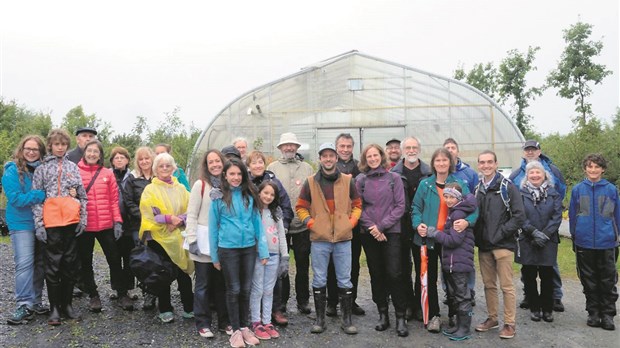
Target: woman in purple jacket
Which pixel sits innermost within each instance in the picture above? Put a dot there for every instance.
(383, 204)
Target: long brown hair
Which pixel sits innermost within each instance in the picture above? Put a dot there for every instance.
(18, 155)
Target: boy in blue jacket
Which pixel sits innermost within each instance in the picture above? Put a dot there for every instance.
(594, 227)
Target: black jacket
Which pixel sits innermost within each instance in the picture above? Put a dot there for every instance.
(497, 227)
(132, 191)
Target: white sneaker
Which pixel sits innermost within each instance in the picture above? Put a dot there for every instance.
(434, 325)
(205, 332)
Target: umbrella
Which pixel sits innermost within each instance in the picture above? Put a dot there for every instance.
(424, 282)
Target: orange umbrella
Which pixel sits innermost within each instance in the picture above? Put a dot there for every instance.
(424, 282)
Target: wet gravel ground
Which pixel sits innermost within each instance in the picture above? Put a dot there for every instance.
(114, 327)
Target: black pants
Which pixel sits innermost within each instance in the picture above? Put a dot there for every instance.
(406, 248)
(384, 266)
(86, 244)
(544, 299)
(61, 260)
(238, 269)
(124, 245)
(332, 284)
(432, 273)
(597, 271)
(184, 283)
(209, 288)
(459, 296)
(300, 243)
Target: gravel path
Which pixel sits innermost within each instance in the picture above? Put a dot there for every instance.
(117, 328)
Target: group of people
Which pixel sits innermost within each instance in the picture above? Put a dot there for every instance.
(233, 228)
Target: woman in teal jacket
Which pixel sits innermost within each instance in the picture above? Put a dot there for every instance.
(235, 230)
(430, 211)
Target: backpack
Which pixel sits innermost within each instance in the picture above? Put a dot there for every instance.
(154, 271)
(503, 192)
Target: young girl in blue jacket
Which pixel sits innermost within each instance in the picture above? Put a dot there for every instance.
(235, 229)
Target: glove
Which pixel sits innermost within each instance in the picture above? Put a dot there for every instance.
(118, 230)
(539, 239)
(193, 248)
(79, 230)
(431, 232)
(283, 267)
(41, 234)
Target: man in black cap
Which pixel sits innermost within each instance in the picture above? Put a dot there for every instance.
(392, 149)
(82, 136)
(231, 151)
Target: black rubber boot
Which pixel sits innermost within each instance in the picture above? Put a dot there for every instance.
(319, 306)
(66, 307)
(449, 331)
(346, 304)
(331, 310)
(54, 296)
(384, 320)
(401, 325)
(464, 331)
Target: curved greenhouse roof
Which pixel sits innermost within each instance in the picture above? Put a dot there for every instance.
(373, 99)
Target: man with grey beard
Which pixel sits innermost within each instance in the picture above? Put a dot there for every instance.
(292, 172)
(412, 170)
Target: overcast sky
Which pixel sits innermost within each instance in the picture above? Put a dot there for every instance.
(121, 59)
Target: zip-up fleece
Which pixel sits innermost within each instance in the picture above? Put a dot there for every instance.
(594, 215)
(457, 252)
(20, 198)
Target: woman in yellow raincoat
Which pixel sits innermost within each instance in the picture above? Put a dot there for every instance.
(163, 206)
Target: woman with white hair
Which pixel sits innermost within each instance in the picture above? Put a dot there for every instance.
(538, 241)
(163, 207)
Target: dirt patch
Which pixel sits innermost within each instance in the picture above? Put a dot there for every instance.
(114, 327)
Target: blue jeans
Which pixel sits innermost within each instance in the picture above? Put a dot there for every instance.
(238, 269)
(263, 282)
(29, 267)
(341, 254)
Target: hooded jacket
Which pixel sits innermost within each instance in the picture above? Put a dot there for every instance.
(457, 253)
(383, 200)
(102, 207)
(292, 174)
(594, 215)
(20, 198)
(497, 227)
(132, 192)
(518, 174)
(466, 174)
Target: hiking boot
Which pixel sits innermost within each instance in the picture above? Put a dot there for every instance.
(434, 325)
(249, 337)
(271, 331)
(149, 301)
(303, 308)
(535, 316)
(236, 340)
(508, 331)
(166, 317)
(547, 316)
(260, 332)
(126, 303)
(357, 310)
(607, 323)
(558, 306)
(525, 304)
(205, 332)
(594, 320)
(487, 325)
(279, 318)
(331, 310)
(94, 305)
(384, 320)
(40, 309)
(22, 315)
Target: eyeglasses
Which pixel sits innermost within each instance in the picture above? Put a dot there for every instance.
(30, 149)
(164, 166)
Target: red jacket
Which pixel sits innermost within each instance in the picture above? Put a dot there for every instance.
(102, 207)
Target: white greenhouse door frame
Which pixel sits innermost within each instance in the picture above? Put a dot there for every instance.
(361, 135)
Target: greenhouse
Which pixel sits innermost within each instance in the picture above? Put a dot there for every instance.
(372, 99)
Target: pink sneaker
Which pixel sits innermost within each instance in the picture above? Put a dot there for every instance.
(249, 337)
(259, 331)
(236, 340)
(271, 331)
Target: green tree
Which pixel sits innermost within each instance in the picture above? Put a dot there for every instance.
(76, 118)
(576, 70)
(512, 85)
(482, 76)
(173, 131)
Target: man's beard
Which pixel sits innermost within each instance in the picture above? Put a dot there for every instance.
(412, 159)
(288, 155)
